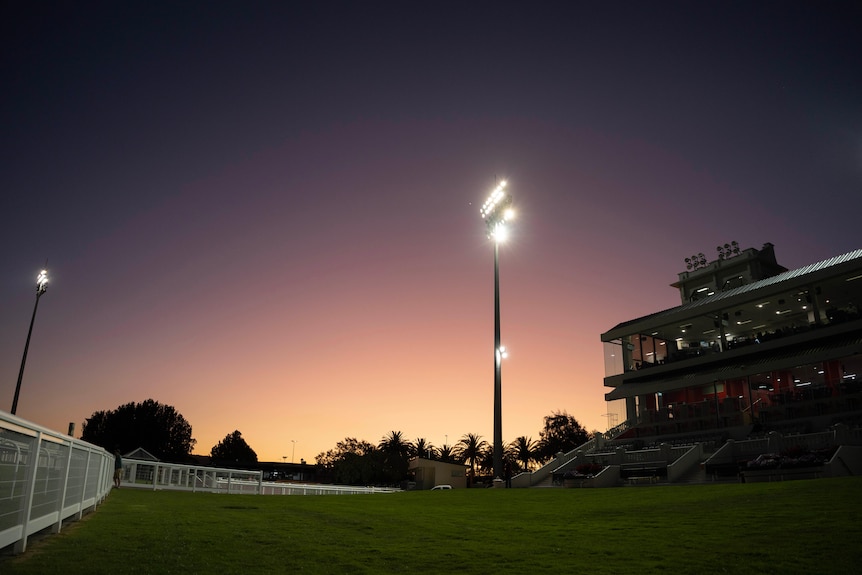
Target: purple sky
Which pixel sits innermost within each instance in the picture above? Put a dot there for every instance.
(267, 216)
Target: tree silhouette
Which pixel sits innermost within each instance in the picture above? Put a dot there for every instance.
(561, 434)
(352, 462)
(486, 458)
(233, 449)
(158, 428)
(421, 448)
(469, 449)
(524, 451)
(445, 454)
(396, 455)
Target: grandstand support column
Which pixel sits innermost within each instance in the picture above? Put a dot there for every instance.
(631, 410)
(815, 304)
(722, 335)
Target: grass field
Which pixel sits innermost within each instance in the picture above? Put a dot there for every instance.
(791, 527)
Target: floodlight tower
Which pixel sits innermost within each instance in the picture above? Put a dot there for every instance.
(41, 287)
(497, 212)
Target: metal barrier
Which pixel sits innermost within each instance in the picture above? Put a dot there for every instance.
(45, 478)
(144, 474)
(156, 475)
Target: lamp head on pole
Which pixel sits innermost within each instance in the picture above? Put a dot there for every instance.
(502, 353)
(42, 283)
(497, 211)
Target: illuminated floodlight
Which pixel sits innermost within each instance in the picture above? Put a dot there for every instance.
(502, 353)
(496, 211)
(42, 282)
(500, 233)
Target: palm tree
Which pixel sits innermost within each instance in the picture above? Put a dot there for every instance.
(396, 454)
(486, 460)
(421, 448)
(470, 448)
(445, 454)
(395, 444)
(524, 449)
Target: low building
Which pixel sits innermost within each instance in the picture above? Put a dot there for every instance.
(752, 346)
(429, 473)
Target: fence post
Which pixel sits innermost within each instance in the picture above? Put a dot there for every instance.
(84, 486)
(64, 485)
(100, 486)
(30, 488)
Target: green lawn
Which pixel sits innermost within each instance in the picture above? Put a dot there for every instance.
(791, 527)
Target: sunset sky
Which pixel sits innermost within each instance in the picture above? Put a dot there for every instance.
(266, 214)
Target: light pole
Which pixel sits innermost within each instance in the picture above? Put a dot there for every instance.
(293, 451)
(496, 211)
(41, 287)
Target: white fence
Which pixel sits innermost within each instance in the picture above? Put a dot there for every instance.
(45, 478)
(143, 474)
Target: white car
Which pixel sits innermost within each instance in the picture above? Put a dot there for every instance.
(441, 487)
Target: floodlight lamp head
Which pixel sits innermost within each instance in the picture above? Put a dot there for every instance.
(496, 211)
(501, 354)
(42, 282)
(500, 233)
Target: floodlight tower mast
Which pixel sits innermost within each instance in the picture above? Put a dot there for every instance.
(41, 288)
(496, 212)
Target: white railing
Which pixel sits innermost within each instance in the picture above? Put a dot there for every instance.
(45, 478)
(143, 474)
(272, 488)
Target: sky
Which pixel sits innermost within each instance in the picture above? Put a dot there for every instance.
(266, 214)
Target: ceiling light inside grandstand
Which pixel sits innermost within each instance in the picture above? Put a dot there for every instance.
(763, 304)
(743, 322)
(782, 312)
(854, 278)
